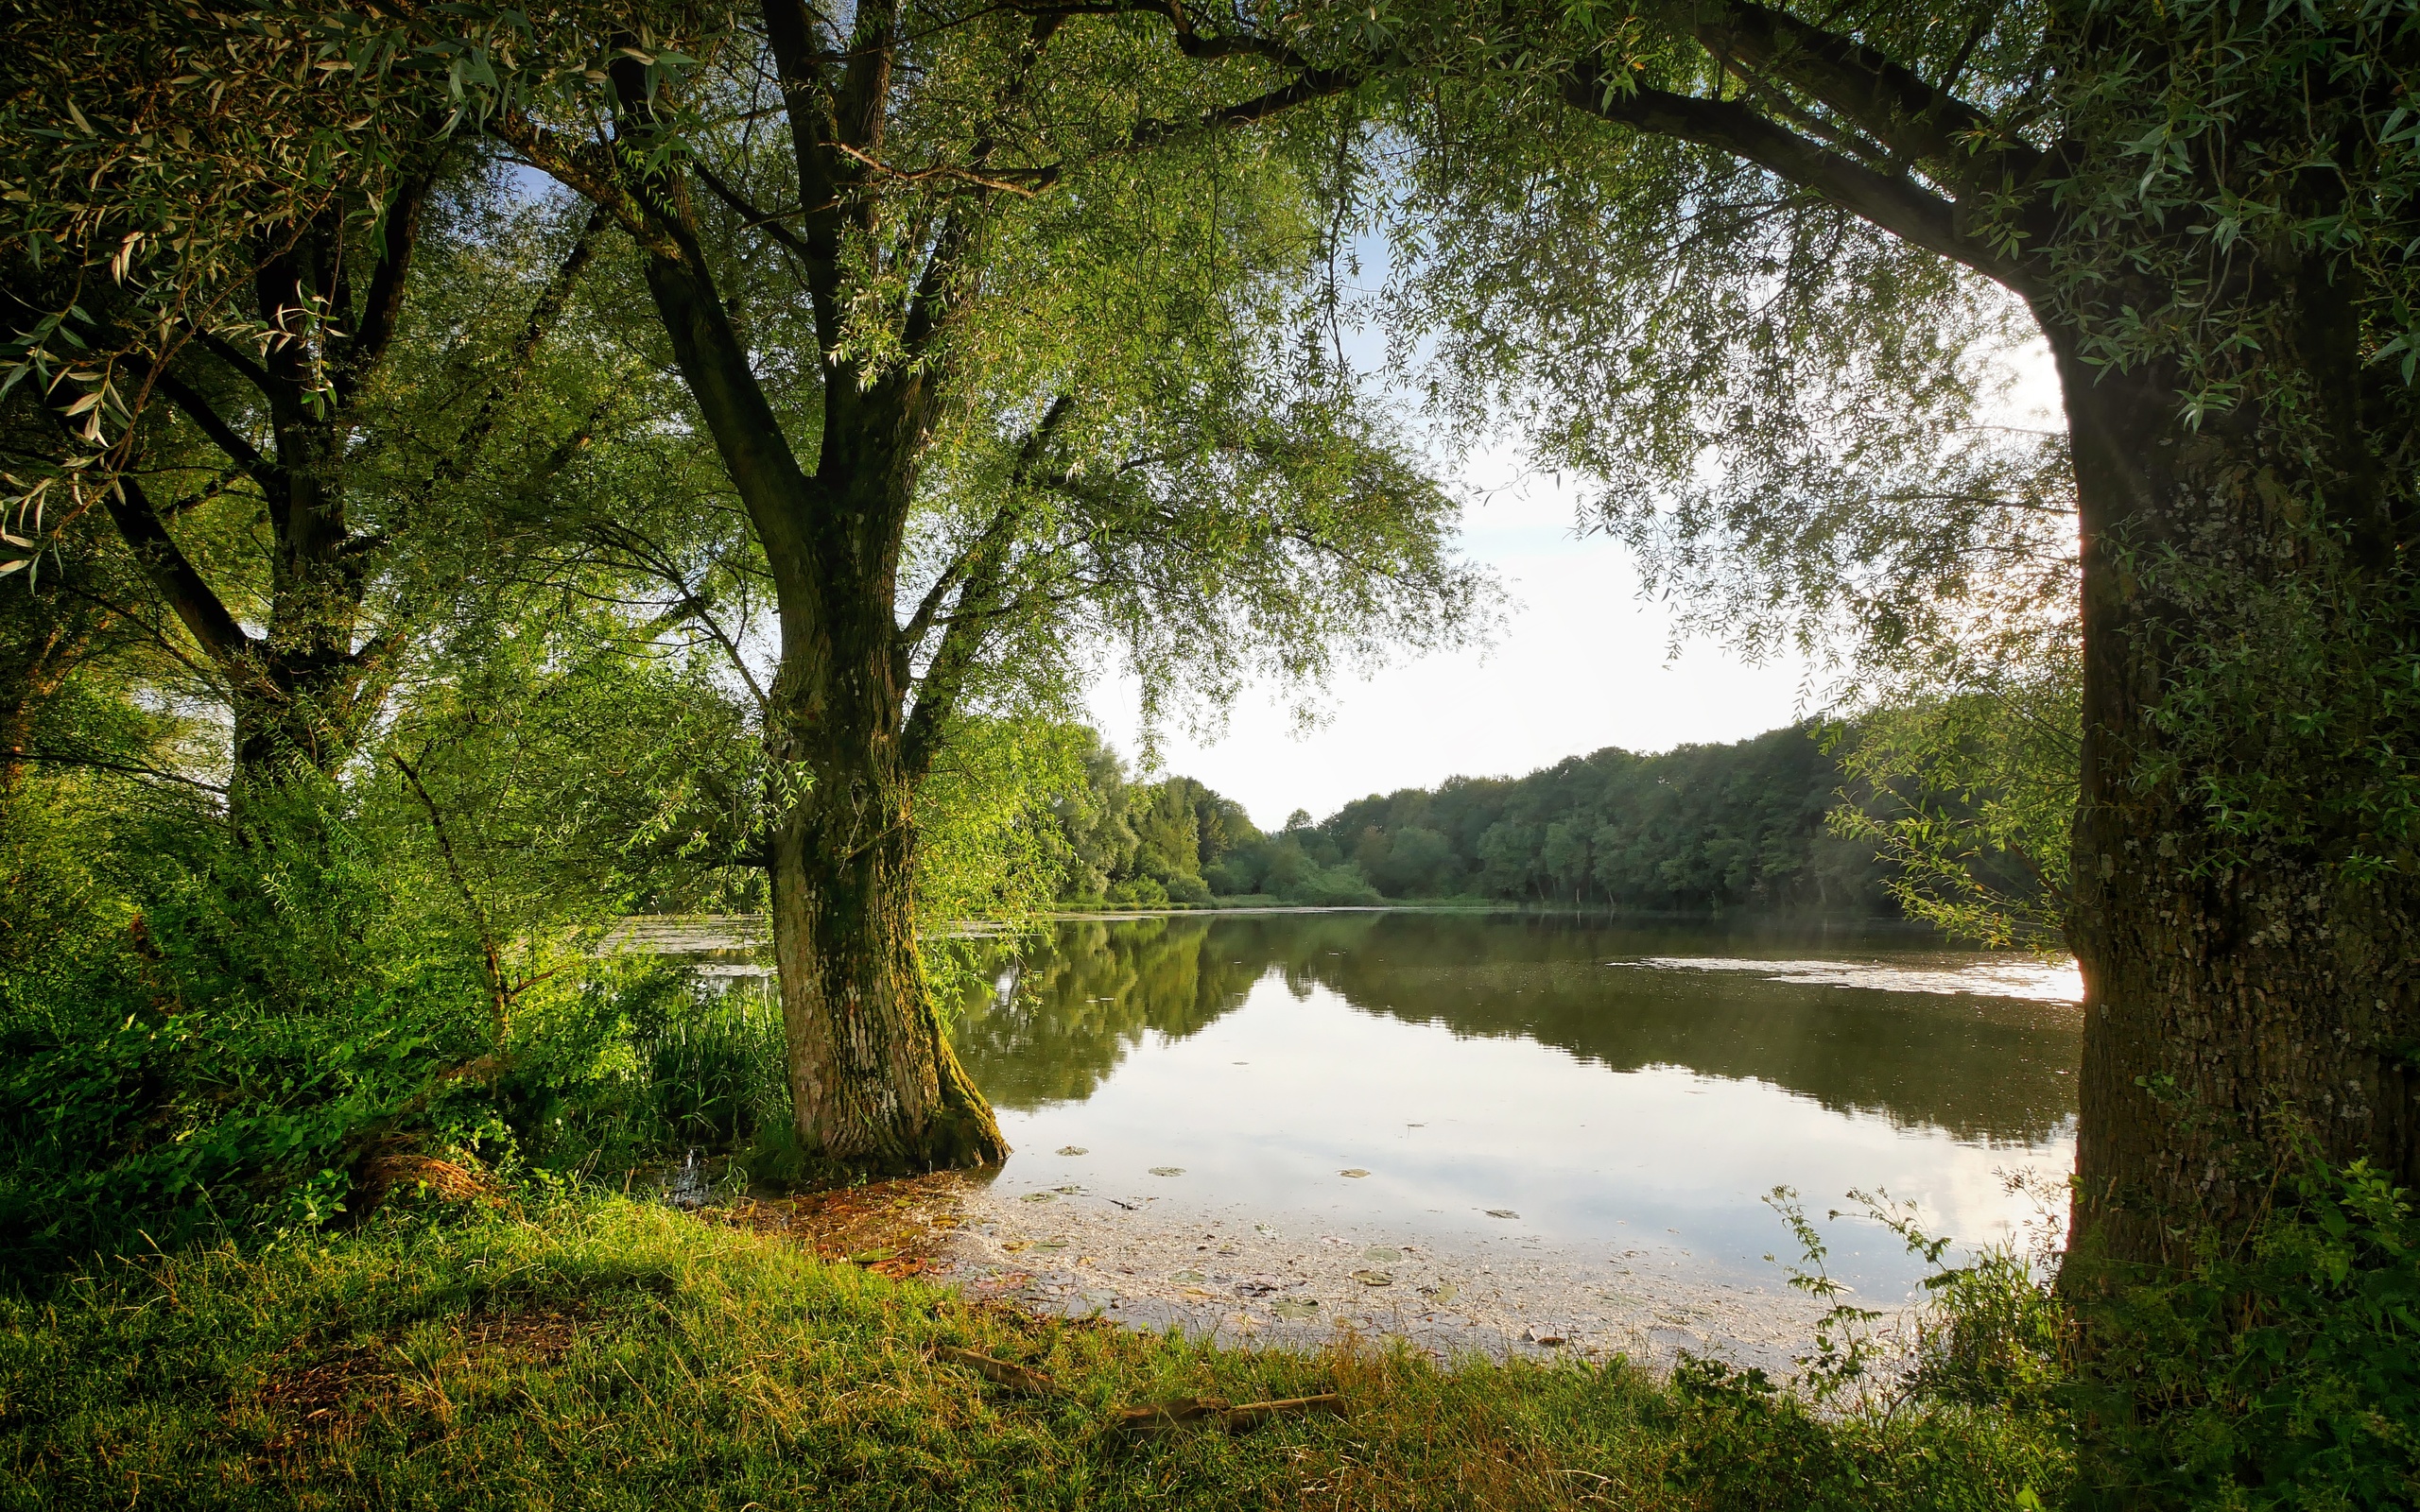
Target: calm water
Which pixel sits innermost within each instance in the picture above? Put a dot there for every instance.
(1531, 1084)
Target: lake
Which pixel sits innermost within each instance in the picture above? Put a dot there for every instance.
(1583, 1115)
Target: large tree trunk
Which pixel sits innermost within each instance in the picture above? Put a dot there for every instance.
(2243, 994)
(875, 1086)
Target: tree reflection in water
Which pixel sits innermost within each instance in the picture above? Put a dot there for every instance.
(1979, 1067)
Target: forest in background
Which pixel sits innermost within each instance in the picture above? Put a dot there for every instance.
(1748, 825)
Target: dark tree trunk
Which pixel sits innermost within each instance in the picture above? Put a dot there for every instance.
(875, 1086)
(2239, 997)
(873, 1081)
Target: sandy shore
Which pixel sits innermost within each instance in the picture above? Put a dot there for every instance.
(1075, 1252)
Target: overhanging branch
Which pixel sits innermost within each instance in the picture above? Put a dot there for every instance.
(1889, 201)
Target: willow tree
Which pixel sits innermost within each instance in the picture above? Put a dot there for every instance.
(211, 281)
(975, 309)
(1726, 230)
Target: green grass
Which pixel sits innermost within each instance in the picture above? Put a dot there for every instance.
(605, 1354)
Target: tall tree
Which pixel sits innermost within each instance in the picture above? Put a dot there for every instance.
(1727, 226)
(210, 269)
(974, 308)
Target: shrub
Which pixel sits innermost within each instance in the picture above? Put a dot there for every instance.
(2283, 1372)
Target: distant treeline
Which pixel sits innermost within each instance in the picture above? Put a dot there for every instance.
(1698, 827)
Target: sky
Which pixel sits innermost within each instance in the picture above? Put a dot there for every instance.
(1578, 663)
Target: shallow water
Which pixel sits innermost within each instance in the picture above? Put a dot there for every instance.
(1589, 1114)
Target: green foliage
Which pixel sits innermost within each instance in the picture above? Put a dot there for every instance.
(150, 148)
(1972, 797)
(2281, 1369)
(233, 1018)
(1300, 865)
(1738, 826)
(1700, 827)
(420, 1362)
(1145, 845)
(989, 843)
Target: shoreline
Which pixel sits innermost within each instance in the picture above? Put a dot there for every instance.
(1236, 1280)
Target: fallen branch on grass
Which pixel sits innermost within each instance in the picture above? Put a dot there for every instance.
(1233, 1418)
(999, 1372)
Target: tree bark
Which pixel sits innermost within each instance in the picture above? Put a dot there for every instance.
(874, 1083)
(2249, 985)
(2241, 1001)
(874, 1086)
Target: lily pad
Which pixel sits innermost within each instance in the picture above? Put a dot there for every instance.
(1168, 1170)
(1374, 1278)
(1295, 1309)
(1187, 1276)
(1381, 1252)
(1038, 1196)
(1502, 1212)
(1073, 1149)
(1015, 1244)
(1441, 1294)
(1067, 1192)
(1355, 1171)
(1050, 1244)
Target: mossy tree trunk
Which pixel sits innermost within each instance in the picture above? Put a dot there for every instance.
(2245, 990)
(875, 1084)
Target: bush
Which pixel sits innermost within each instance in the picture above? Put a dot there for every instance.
(1184, 887)
(1139, 892)
(241, 1017)
(2281, 1372)
(261, 1026)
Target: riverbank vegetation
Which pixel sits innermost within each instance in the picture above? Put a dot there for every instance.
(642, 1356)
(494, 1352)
(1752, 826)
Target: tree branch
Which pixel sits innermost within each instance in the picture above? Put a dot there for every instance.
(549, 307)
(812, 100)
(982, 568)
(1893, 203)
(174, 574)
(1888, 100)
(375, 329)
(488, 957)
(225, 352)
(1311, 84)
(755, 449)
(97, 763)
(751, 218)
(651, 557)
(247, 456)
(1028, 453)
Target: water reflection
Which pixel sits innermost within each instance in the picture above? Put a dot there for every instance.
(1979, 1067)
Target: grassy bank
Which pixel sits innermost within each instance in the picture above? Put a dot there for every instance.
(607, 1353)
